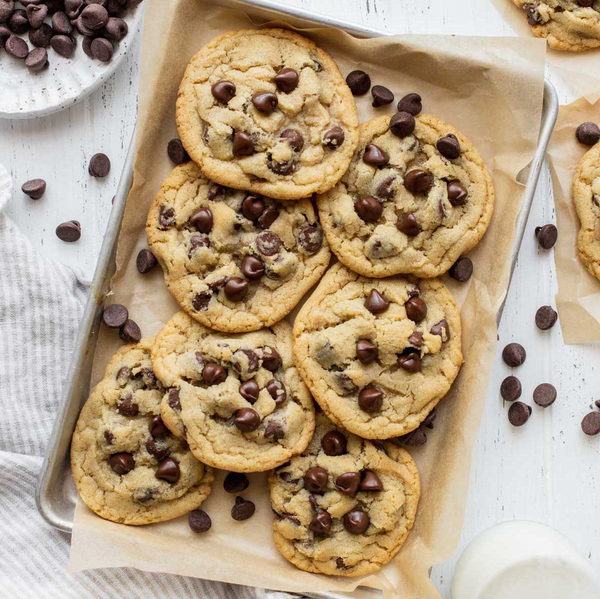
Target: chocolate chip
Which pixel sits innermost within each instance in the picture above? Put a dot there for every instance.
(348, 482)
(166, 218)
(252, 267)
(334, 443)
(116, 29)
(545, 318)
(199, 521)
(277, 391)
(385, 189)
(449, 146)
(462, 269)
(99, 165)
(94, 16)
(176, 151)
(358, 82)
(410, 103)
(245, 361)
(130, 332)
(63, 45)
(145, 261)
(173, 399)
(369, 209)
(41, 37)
(410, 360)
(416, 340)
(415, 438)
(402, 124)
(533, 16)
(102, 49)
(408, 225)
(271, 360)
(115, 316)
(247, 420)
(511, 389)
(37, 59)
(514, 355)
(416, 309)
(430, 418)
(213, 374)
(418, 181)
(252, 207)
(588, 134)
(268, 217)
(61, 23)
(370, 400)
(35, 188)
(223, 91)
(236, 289)
(321, 523)
(158, 428)
(546, 236)
(442, 329)
(286, 80)
(242, 509)
(375, 155)
(585, 3)
(376, 303)
(36, 13)
(268, 243)
(590, 425)
(457, 194)
(366, 351)
(265, 102)
(17, 47)
(370, 482)
(242, 144)
(121, 463)
(294, 138)
(201, 301)
(519, 413)
(127, 407)
(202, 220)
(544, 395)
(108, 437)
(315, 480)
(381, 96)
(236, 482)
(281, 168)
(18, 22)
(249, 390)
(334, 138)
(168, 470)
(311, 239)
(156, 449)
(7, 7)
(73, 8)
(356, 521)
(123, 375)
(69, 231)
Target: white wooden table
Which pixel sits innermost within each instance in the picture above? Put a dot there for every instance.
(545, 471)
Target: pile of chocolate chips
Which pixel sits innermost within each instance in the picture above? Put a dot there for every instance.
(54, 23)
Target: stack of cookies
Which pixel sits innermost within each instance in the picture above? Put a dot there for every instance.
(280, 174)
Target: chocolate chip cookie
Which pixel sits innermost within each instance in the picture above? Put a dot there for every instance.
(416, 197)
(572, 25)
(238, 399)
(345, 506)
(586, 195)
(378, 355)
(235, 261)
(127, 465)
(267, 111)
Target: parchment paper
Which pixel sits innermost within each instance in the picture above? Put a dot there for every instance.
(491, 89)
(578, 297)
(578, 69)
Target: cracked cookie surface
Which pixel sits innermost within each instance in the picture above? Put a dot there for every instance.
(126, 464)
(345, 506)
(403, 207)
(238, 399)
(235, 261)
(378, 354)
(572, 25)
(267, 111)
(586, 195)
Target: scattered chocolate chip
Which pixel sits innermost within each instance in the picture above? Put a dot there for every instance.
(36, 13)
(116, 29)
(348, 482)
(69, 231)
(410, 103)
(415, 438)
(99, 165)
(375, 156)
(546, 236)
(17, 47)
(370, 482)
(115, 316)
(533, 16)
(410, 360)
(294, 138)
(37, 59)
(121, 463)
(173, 399)
(311, 239)
(268, 243)
(245, 361)
(376, 303)
(321, 523)
(176, 151)
(265, 102)
(358, 82)
(366, 351)
(385, 189)
(381, 96)
(402, 124)
(168, 470)
(236, 289)
(519, 413)
(457, 193)
(249, 390)
(316, 479)
(61, 23)
(202, 220)
(514, 355)
(370, 400)
(35, 188)
(416, 309)
(369, 209)
(271, 360)
(108, 437)
(201, 301)
(588, 134)
(223, 91)
(145, 261)
(7, 7)
(334, 443)
(252, 267)
(236, 482)
(286, 80)
(449, 146)
(418, 181)
(166, 218)
(102, 49)
(430, 418)
(127, 407)
(462, 270)
(63, 45)
(544, 395)
(18, 22)
(408, 225)
(356, 521)
(130, 332)
(585, 3)
(94, 16)
(511, 389)
(213, 374)
(334, 138)
(242, 144)
(199, 521)
(156, 449)
(416, 340)
(242, 509)
(268, 217)
(590, 425)
(545, 318)
(274, 430)
(247, 420)
(252, 207)
(277, 391)
(442, 329)
(41, 37)
(158, 428)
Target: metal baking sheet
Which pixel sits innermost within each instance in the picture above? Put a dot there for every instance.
(56, 493)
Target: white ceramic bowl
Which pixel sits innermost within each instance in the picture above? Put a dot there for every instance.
(26, 95)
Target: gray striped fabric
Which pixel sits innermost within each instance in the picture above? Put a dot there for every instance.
(41, 303)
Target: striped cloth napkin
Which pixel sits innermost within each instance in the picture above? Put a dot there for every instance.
(41, 304)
